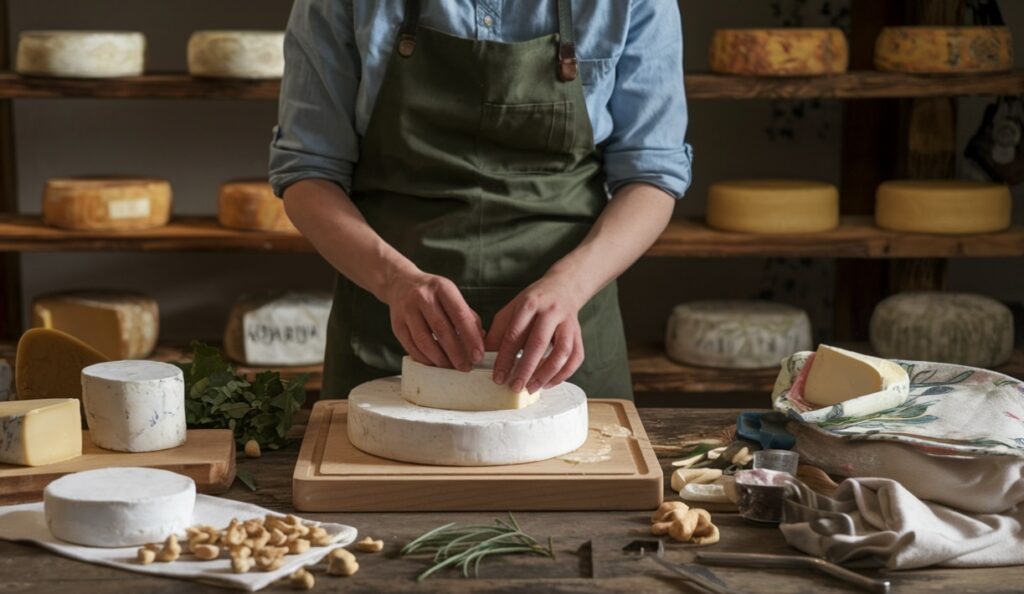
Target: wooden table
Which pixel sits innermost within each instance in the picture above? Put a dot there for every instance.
(26, 569)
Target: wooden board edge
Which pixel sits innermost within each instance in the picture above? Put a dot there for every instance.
(304, 475)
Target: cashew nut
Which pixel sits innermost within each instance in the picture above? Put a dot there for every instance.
(206, 552)
(302, 580)
(682, 528)
(667, 508)
(170, 551)
(368, 545)
(241, 564)
(710, 539)
(252, 449)
(298, 546)
(341, 562)
(146, 556)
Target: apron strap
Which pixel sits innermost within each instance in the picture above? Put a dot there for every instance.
(568, 68)
(407, 32)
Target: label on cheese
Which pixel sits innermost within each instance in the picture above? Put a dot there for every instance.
(450, 389)
(795, 51)
(773, 206)
(838, 375)
(959, 328)
(49, 364)
(38, 432)
(119, 325)
(290, 329)
(134, 406)
(106, 204)
(81, 54)
(944, 50)
(943, 206)
(236, 54)
(252, 206)
(119, 507)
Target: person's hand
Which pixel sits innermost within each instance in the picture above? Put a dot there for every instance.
(433, 322)
(542, 315)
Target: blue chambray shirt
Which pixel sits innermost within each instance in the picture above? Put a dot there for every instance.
(630, 51)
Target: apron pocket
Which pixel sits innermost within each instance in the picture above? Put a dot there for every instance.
(527, 137)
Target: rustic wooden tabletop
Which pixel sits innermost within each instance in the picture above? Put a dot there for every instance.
(588, 546)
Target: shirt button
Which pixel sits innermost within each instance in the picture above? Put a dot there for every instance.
(488, 21)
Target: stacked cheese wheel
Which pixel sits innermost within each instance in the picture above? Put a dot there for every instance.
(943, 206)
(773, 206)
(106, 204)
(944, 50)
(81, 54)
(779, 52)
(252, 206)
(236, 54)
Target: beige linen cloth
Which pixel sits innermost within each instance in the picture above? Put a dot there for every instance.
(878, 522)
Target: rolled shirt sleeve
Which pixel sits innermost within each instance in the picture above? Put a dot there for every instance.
(316, 136)
(648, 104)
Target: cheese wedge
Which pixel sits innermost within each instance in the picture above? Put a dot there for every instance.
(49, 364)
(451, 389)
(839, 375)
(119, 325)
(37, 432)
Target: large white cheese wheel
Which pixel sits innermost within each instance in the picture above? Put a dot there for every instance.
(944, 50)
(451, 389)
(134, 406)
(284, 330)
(792, 51)
(838, 375)
(773, 206)
(81, 54)
(956, 328)
(382, 423)
(106, 204)
(236, 54)
(736, 334)
(119, 325)
(252, 206)
(37, 432)
(119, 507)
(943, 206)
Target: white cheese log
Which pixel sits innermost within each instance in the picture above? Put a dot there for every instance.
(278, 330)
(382, 423)
(959, 328)
(134, 406)
(236, 54)
(839, 375)
(736, 334)
(81, 54)
(450, 389)
(37, 432)
(119, 507)
(119, 325)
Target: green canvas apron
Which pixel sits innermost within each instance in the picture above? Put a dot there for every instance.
(478, 165)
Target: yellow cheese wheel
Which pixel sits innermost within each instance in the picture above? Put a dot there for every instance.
(119, 325)
(106, 204)
(941, 50)
(943, 206)
(236, 54)
(779, 52)
(252, 206)
(773, 206)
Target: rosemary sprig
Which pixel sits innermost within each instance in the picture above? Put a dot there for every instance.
(465, 547)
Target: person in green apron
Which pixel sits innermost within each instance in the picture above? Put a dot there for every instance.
(479, 172)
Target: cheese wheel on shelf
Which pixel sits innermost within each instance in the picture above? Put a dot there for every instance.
(736, 334)
(38, 432)
(119, 507)
(795, 51)
(451, 389)
(773, 206)
(252, 206)
(49, 364)
(106, 204)
(943, 206)
(119, 325)
(134, 406)
(959, 328)
(278, 330)
(81, 54)
(944, 50)
(236, 54)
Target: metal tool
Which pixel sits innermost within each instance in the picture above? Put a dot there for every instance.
(795, 561)
(696, 575)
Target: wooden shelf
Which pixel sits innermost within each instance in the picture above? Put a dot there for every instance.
(856, 237)
(699, 85)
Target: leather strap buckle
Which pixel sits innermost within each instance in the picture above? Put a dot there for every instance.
(406, 44)
(568, 66)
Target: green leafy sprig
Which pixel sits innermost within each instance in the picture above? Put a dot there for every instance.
(217, 398)
(465, 547)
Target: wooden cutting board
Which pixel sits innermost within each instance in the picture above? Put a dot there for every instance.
(332, 475)
(208, 457)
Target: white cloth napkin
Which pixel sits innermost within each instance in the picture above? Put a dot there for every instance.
(26, 522)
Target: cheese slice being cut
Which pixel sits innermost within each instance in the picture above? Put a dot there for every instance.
(944, 50)
(236, 54)
(943, 206)
(119, 507)
(81, 54)
(252, 206)
(282, 329)
(791, 51)
(119, 325)
(838, 375)
(106, 204)
(134, 406)
(49, 364)
(451, 389)
(37, 432)
(773, 206)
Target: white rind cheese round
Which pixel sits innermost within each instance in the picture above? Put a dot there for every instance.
(959, 328)
(119, 507)
(382, 423)
(134, 406)
(943, 206)
(236, 54)
(773, 206)
(736, 334)
(278, 330)
(81, 54)
(106, 204)
(451, 389)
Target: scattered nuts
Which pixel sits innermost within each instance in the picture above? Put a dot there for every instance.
(268, 562)
(709, 539)
(302, 580)
(684, 524)
(146, 556)
(667, 508)
(368, 545)
(170, 551)
(241, 564)
(277, 538)
(206, 552)
(252, 449)
(298, 546)
(341, 562)
(319, 537)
